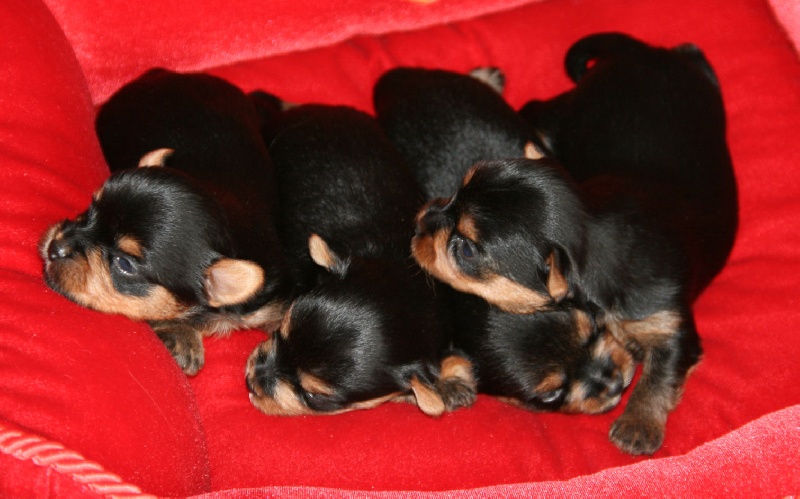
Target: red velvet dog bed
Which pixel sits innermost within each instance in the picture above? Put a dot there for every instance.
(92, 404)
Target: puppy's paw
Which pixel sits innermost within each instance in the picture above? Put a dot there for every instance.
(456, 393)
(186, 346)
(456, 384)
(637, 435)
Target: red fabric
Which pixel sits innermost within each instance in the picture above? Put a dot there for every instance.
(90, 381)
(105, 387)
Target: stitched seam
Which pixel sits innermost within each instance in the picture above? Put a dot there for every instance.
(52, 455)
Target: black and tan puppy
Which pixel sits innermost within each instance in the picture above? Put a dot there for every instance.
(557, 360)
(367, 326)
(648, 224)
(444, 122)
(186, 241)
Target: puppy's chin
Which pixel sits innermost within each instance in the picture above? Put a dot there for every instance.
(430, 251)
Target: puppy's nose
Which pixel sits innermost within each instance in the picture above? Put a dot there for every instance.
(58, 249)
(607, 381)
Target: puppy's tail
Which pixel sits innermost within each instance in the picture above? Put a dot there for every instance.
(598, 46)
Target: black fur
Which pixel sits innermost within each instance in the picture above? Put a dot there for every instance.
(211, 200)
(368, 321)
(545, 361)
(652, 218)
(444, 122)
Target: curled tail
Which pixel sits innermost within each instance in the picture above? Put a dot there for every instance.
(598, 46)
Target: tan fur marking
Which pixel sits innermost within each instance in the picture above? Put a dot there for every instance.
(468, 176)
(369, 404)
(457, 367)
(155, 158)
(87, 281)
(552, 381)
(432, 255)
(578, 403)
(320, 252)
(313, 384)
(267, 318)
(556, 282)
(533, 152)
(285, 327)
(583, 325)
(511, 401)
(427, 399)
(130, 246)
(467, 227)
(284, 402)
(609, 347)
(231, 282)
(651, 330)
(456, 385)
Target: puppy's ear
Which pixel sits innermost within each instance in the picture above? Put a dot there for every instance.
(156, 158)
(557, 284)
(533, 152)
(428, 399)
(231, 282)
(324, 256)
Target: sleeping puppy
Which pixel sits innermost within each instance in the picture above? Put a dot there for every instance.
(558, 360)
(649, 222)
(366, 326)
(186, 241)
(444, 122)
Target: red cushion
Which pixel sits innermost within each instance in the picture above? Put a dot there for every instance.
(105, 387)
(90, 381)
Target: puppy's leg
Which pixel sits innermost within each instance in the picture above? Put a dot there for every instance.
(456, 383)
(184, 342)
(671, 347)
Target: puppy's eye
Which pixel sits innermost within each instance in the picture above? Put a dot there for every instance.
(466, 249)
(124, 265)
(551, 397)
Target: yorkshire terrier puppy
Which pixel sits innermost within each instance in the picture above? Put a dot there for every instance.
(366, 326)
(557, 360)
(186, 240)
(444, 122)
(637, 227)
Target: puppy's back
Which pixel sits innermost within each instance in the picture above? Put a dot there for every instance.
(444, 122)
(211, 126)
(341, 177)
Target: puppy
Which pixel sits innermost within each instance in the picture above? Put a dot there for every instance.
(444, 122)
(640, 224)
(187, 240)
(558, 360)
(366, 326)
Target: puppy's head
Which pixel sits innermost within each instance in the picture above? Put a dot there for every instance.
(353, 342)
(512, 234)
(558, 360)
(151, 246)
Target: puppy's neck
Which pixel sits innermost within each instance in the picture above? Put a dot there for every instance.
(608, 273)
